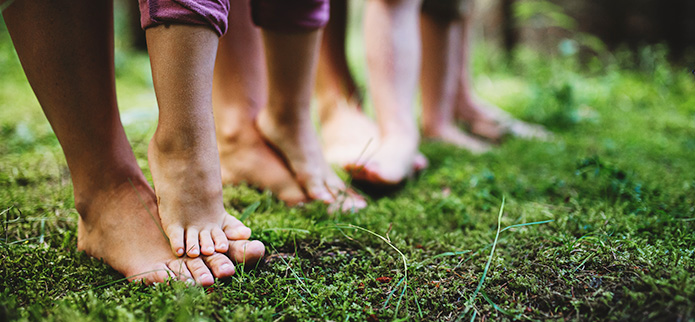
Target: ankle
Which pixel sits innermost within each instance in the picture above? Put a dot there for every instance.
(108, 188)
(183, 141)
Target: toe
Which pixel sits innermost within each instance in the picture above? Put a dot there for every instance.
(220, 265)
(179, 268)
(420, 162)
(175, 234)
(292, 195)
(246, 252)
(220, 239)
(200, 272)
(353, 202)
(207, 246)
(349, 201)
(235, 229)
(156, 274)
(318, 191)
(192, 246)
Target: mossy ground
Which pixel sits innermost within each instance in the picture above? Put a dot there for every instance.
(617, 185)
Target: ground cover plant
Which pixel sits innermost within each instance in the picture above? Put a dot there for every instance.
(595, 224)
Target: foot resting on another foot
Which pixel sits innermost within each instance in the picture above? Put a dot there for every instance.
(189, 196)
(120, 226)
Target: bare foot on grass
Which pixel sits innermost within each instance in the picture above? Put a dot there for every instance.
(396, 158)
(353, 141)
(348, 135)
(120, 226)
(451, 134)
(189, 196)
(492, 123)
(245, 157)
(297, 142)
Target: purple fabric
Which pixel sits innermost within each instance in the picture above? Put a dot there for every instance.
(290, 15)
(211, 13)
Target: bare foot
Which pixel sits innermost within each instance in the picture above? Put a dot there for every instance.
(353, 141)
(348, 135)
(245, 157)
(120, 226)
(395, 158)
(298, 143)
(247, 252)
(450, 133)
(492, 123)
(189, 196)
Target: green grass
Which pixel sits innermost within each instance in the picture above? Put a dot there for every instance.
(613, 198)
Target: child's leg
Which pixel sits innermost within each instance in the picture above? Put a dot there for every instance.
(347, 134)
(66, 49)
(485, 120)
(441, 36)
(349, 137)
(286, 121)
(393, 58)
(239, 91)
(183, 153)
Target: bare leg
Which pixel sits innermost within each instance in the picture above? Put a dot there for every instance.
(238, 93)
(348, 135)
(286, 121)
(183, 154)
(484, 119)
(66, 48)
(393, 58)
(439, 80)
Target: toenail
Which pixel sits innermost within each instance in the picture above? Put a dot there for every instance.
(189, 282)
(226, 267)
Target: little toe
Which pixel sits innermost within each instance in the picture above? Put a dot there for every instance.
(220, 265)
(207, 246)
(200, 272)
(246, 252)
(176, 240)
(220, 239)
(158, 274)
(192, 246)
(235, 229)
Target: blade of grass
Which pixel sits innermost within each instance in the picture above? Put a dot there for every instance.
(489, 260)
(248, 211)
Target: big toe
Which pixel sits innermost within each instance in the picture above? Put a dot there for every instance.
(234, 229)
(220, 265)
(246, 252)
(420, 163)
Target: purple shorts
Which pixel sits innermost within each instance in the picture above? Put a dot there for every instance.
(211, 13)
(282, 15)
(290, 15)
